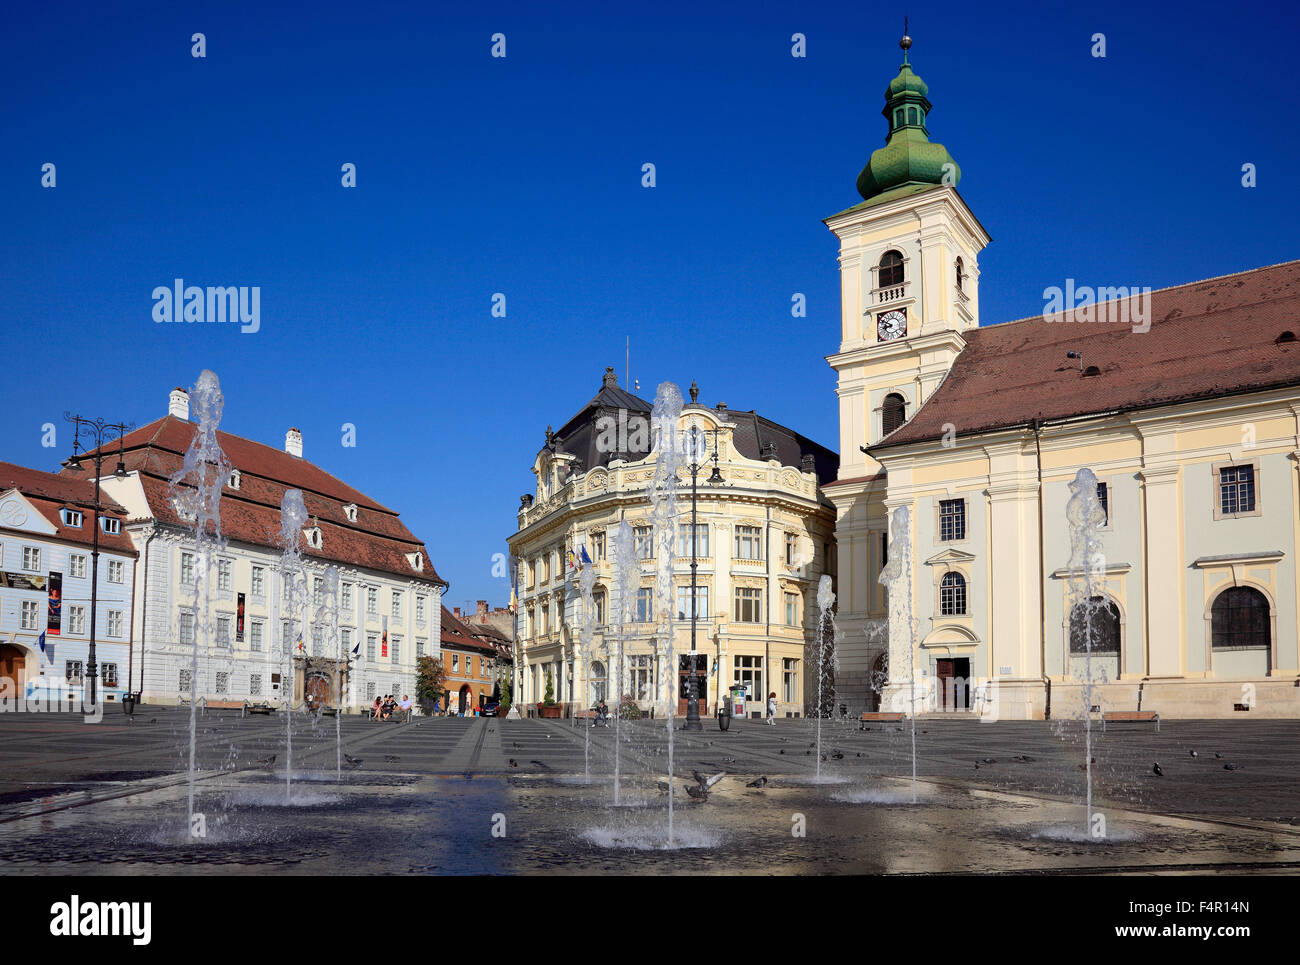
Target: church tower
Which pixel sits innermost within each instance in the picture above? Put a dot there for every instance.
(909, 281)
(909, 275)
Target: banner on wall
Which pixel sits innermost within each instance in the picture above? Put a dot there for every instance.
(54, 621)
(239, 618)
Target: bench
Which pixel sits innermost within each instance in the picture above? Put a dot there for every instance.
(1129, 717)
(257, 709)
(879, 717)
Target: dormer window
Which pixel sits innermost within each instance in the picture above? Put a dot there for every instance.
(110, 525)
(313, 537)
(235, 478)
(891, 270)
(350, 511)
(417, 561)
(72, 517)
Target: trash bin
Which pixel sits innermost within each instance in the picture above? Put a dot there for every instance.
(724, 713)
(128, 704)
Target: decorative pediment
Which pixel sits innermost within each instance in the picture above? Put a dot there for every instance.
(17, 513)
(950, 557)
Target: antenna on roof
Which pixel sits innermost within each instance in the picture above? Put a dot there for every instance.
(627, 363)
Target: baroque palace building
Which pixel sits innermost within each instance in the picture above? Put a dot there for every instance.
(1185, 403)
(763, 538)
(390, 596)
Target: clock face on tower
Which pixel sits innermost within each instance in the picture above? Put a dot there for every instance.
(891, 325)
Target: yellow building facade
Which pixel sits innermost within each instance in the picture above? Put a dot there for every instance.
(1185, 403)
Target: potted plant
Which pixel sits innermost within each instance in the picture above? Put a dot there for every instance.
(548, 707)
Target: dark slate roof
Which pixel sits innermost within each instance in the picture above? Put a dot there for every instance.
(578, 436)
(1212, 338)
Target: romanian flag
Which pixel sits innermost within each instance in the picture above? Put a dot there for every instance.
(300, 646)
(573, 561)
(514, 601)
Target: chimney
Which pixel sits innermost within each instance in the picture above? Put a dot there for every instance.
(610, 380)
(178, 404)
(767, 451)
(721, 408)
(455, 611)
(293, 442)
(809, 462)
(482, 611)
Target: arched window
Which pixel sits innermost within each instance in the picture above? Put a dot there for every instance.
(597, 682)
(961, 276)
(952, 595)
(891, 269)
(598, 603)
(1098, 621)
(893, 413)
(1239, 619)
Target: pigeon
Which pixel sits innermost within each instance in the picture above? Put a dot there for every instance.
(268, 761)
(1024, 758)
(698, 793)
(1193, 754)
(782, 750)
(515, 744)
(663, 788)
(728, 760)
(1218, 756)
(823, 757)
(838, 755)
(759, 782)
(1155, 769)
(540, 764)
(153, 720)
(988, 760)
(354, 761)
(808, 753)
(391, 758)
(513, 762)
(707, 782)
(859, 753)
(1231, 766)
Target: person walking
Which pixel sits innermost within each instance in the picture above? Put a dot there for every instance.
(771, 708)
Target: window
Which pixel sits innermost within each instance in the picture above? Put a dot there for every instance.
(318, 641)
(961, 275)
(643, 539)
(749, 543)
(749, 674)
(77, 566)
(116, 571)
(597, 547)
(697, 546)
(952, 595)
(345, 641)
(701, 609)
(346, 595)
(791, 549)
(1103, 497)
(110, 525)
(370, 691)
(235, 479)
(256, 636)
(187, 568)
(420, 607)
(420, 645)
(396, 643)
(891, 270)
(259, 581)
(644, 605)
(74, 671)
(749, 604)
(77, 619)
(286, 587)
(455, 663)
(1094, 624)
(1236, 490)
(31, 558)
(372, 601)
(639, 675)
(790, 680)
(952, 519)
(317, 591)
(792, 609)
(598, 598)
(184, 681)
(72, 517)
(350, 511)
(893, 413)
(223, 574)
(255, 685)
(187, 628)
(372, 643)
(1239, 619)
(108, 672)
(114, 623)
(31, 613)
(397, 604)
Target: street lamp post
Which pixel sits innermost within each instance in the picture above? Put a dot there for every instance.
(696, 449)
(96, 430)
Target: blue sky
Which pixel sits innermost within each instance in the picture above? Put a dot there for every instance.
(522, 175)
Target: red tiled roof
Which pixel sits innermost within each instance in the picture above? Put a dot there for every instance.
(377, 540)
(1207, 339)
(49, 492)
(458, 636)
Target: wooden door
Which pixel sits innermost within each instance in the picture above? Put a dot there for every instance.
(944, 671)
(13, 665)
(316, 690)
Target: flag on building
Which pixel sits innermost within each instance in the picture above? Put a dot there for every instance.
(573, 561)
(41, 641)
(586, 560)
